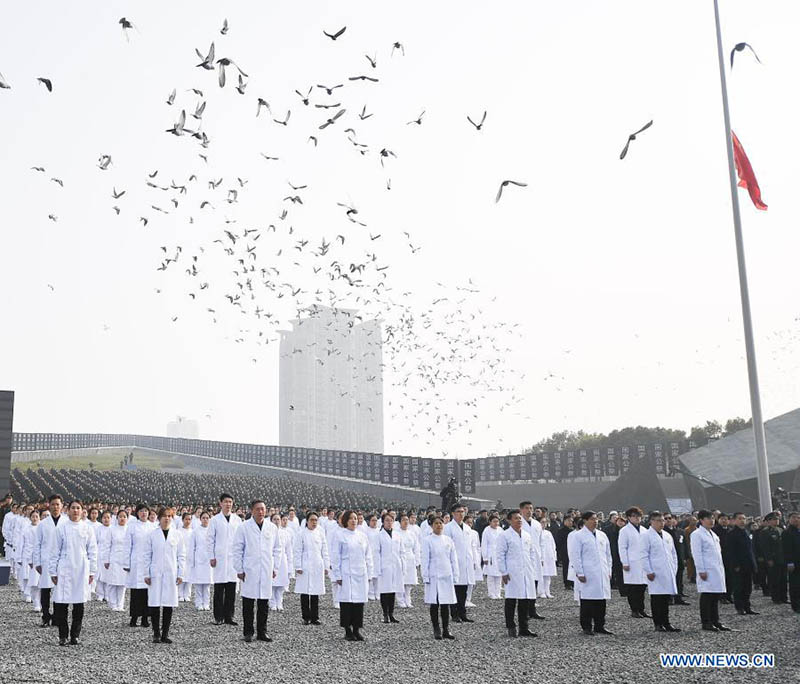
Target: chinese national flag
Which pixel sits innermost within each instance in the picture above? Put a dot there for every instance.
(747, 179)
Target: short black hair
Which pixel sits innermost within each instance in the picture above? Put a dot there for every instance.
(738, 513)
(512, 513)
(254, 502)
(225, 496)
(633, 510)
(53, 497)
(704, 513)
(455, 507)
(587, 514)
(522, 504)
(655, 514)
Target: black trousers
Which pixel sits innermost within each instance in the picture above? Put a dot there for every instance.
(742, 588)
(459, 608)
(659, 607)
(387, 603)
(309, 607)
(45, 596)
(762, 577)
(351, 615)
(679, 577)
(262, 612)
(138, 607)
(593, 611)
(709, 608)
(224, 600)
(532, 602)
(636, 597)
(522, 607)
(794, 589)
(61, 618)
(777, 582)
(436, 609)
(568, 584)
(161, 627)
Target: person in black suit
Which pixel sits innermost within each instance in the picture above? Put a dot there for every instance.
(721, 529)
(562, 555)
(677, 534)
(740, 563)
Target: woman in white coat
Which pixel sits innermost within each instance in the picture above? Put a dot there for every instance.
(72, 568)
(351, 568)
(200, 571)
(389, 563)
(517, 560)
(548, 561)
(439, 568)
(660, 563)
(488, 553)
(590, 559)
(707, 556)
(285, 567)
(137, 530)
(21, 527)
(629, 544)
(477, 573)
(373, 531)
(411, 553)
(185, 530)
(102, 534)
(256, 553)
(162, 569)
(33, 593)
(311, 562)
(114, 558)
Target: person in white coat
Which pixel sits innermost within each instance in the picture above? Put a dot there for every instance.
(200, 571)
(311, 563)
(409, 542)
(186, 531)
(33, 593)
(389, 565)
(439, 568)
(256, 554)
(629, 544)
(462, 540)
(102, 534)
(21, 526)
(516, 560)
(590, 558)
(491, 533)
(710, 571)
(44, 548)
(285, 567)
(477, 573)
(137, 530)
(534, 528)
(220, 536)
(372, 531)
(72, 568)
(114, 558)
(660, 563)
(163, 570)
(548, 562)
(351, 568)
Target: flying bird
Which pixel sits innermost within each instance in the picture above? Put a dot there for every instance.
(3, 83)
(506, 183)
(38, 168)
(262, 103)
(207, 61)
(418, 120)
(329, 89)
(739, 47)
(178, 127)
(117, 195)
(331, 121)
(364, 114)
(242, 85)
(398, 46)
(373, 61)
(478, 126)
(285, 122)
(363, 78)
(47, 83)
(224, 62)
(632, 137)
(171, 98)
(305, 98)
(104, 162)
(334, 36)
(125, 26)
(224, 29)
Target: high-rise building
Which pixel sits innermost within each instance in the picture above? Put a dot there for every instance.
(331, 382)
(183, 427)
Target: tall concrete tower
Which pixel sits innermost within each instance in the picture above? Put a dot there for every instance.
(331, 382)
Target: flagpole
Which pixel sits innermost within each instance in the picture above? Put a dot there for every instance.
(764, 491)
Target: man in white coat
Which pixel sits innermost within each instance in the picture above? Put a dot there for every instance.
(219, 540)
(590, 557)
(534, 528)
(630, 554)
(256, 553)
(462, 540)
(43, 549)
(516, 560)
(660, 563)
(707, 556)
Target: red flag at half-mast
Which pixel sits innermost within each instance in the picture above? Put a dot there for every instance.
(747, 179)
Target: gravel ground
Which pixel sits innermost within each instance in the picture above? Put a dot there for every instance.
(113, 652)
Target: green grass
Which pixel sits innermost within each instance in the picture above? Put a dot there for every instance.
(107, 460)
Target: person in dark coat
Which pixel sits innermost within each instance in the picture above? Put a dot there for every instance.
(562, 555)
(721, 529)
(791, 555)
(772, 547)
(677, 535)
(616, 563)
(740, 563)
(760, 579)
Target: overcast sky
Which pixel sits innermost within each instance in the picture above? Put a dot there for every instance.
(621, 274)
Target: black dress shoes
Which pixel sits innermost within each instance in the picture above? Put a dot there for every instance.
(263, 637)
(156, 639)
(710, 628)
(217, 622)
(643, 614)
(660, 628)
(536, 616)
(394, 620)
(63, 642)
(248, 638)
(512, 632)
(446, 635)
(233, 623)
(437, 633)
(316, 622)
(74, 641)
(722, 628)
(588, 632)
(670, 628)
(603, 630)
(635, 614)
(527, 633)
(681, 602)
(750, 611)
(357, 635)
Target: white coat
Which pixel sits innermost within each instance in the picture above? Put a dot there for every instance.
(256, 553)
(590, 557)
(548, 554)
(489, 551)
(285, 568)
(658, 556)
(8, 521)
(20, 527)
(352, 563)
(707, 556)
(439, 568)
(73, 561)
(517, 558)
(417, 532)
(410, 553)
(462, 540)
(476, 555)
(630, 554)
(26, 554)
(220, 539)
(534, 528)
(115, 552)
(197, 558)
(135, 541)
(45, 547)
(389, 563)
(373, 536)
(163, 561)
(102, 535)
(311, 556)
